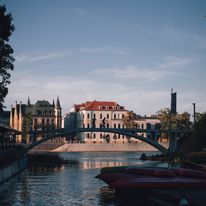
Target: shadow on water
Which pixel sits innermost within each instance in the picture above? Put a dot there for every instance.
(108, 197)
(49, 159)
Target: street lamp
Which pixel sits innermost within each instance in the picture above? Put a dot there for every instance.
(194, 112)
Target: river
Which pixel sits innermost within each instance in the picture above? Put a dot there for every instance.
(73, 184)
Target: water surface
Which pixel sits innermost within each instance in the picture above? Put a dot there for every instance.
(72, 185)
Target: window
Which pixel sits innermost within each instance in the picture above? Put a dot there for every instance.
(114, 116)
(88, 116)
(142, 126)
(87, 135)
(107, 125)
(88, 125)
(94, 116)
(114, 125)
(94, 135)
(107, 116)
(119, 126)
(101, 136)
(43, 121)
(122, 116)
(100, 116)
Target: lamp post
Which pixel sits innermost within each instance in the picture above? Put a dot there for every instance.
(194, 112)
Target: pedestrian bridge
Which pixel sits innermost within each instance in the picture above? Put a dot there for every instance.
(127, 132)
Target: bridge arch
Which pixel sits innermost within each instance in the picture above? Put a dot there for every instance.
(65, 132)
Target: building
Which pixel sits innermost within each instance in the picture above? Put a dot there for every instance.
(147, 123)
(41, 116)
(97, 114)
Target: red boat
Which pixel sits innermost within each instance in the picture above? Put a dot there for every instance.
(163, 186)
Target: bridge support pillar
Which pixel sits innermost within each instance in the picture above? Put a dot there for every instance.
(173, 143)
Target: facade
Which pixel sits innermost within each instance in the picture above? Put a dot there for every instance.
(109, 115)
(146, 123)
(41, 116)
(97, 114)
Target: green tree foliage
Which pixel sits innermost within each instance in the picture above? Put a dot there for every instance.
(26, 125)
(128, 120)
(171, 121)
(199, 133)
(6, 58)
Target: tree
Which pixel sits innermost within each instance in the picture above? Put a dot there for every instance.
(6, 58)
(128, 121)
(199, 133)
(173, 121)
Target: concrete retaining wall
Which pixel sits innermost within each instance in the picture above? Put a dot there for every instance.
(12, 169)
(105, 147)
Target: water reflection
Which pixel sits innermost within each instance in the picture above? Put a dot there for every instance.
(97, 165)
(70, 184)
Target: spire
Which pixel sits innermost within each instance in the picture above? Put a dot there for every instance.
(53, 104)
(58, 103)
(28, 102)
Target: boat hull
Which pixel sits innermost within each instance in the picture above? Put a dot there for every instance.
(157, 186)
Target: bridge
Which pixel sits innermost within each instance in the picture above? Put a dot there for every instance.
(127, 132)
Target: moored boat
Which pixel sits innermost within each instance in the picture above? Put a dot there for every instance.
(162, 186)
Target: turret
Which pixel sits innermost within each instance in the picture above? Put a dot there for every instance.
(58, 111)
(58, 103)
(28, 102)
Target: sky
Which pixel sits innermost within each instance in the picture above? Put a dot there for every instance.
(128, 51)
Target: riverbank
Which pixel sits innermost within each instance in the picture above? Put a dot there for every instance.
(105, 147)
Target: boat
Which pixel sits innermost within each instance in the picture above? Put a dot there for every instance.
(157, 185)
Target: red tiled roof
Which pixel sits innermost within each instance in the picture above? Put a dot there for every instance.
(98, 106)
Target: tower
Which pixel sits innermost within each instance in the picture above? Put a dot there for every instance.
(58, 116)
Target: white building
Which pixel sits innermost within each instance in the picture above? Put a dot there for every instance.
(147, 123)
(99, 114)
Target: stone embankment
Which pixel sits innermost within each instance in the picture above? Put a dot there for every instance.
(106, 147)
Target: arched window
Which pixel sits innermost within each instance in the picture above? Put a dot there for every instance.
(94, 136)
(114, 125)
(87, 135)
(88, 116)
(100, 116)
(114, 116)
(100, 135)
(88, 125)
(107, 116)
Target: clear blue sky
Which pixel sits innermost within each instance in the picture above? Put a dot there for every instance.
(130, 51)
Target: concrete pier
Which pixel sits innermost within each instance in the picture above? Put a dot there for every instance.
(105, 147)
